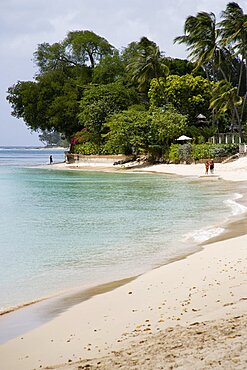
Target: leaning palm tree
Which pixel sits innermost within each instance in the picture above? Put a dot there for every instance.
(225, 98)
(201, 38)
(148, 64)
(233, 32)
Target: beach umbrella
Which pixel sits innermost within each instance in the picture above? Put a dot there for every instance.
(183, 137)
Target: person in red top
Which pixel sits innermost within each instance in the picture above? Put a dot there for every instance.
(206, 167)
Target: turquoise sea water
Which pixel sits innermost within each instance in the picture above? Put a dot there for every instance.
(65, 229)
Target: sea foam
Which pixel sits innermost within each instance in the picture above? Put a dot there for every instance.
(236, 208)
(204, 234)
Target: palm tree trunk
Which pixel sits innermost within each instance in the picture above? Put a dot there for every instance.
(245, 96)
(211, 89)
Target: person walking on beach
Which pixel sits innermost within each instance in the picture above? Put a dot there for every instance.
(211, 166)
(51, 160)
(206, 167)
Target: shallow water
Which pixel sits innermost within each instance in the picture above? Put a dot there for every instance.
(65, 229)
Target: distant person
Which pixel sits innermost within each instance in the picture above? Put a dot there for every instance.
(206, 167)
(51, 159)
(211, 166)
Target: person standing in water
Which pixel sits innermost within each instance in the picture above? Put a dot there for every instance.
(206, 167)
(51, 159)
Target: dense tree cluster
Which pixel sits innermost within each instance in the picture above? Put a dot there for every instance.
(220, 49)
(106, 100)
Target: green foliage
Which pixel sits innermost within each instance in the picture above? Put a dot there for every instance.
(87, 148)
(128, 132)
(225, 98)
(167, 124)
(135, 49)
(173, 153)
(143, 132)
(99, 102)
(79, 48)
(225, 150)
(84, 136)
(181, 67)
(180, 153)
(189, 95)
(201, 134)
(49, 103)
(53, 138)
(148, 63)
(51, 57)
(185, 153)
(23, 97)
(84, 82)
(109, 69)
(87, 47)
(220, 49)
(203, 151)
(200, 37)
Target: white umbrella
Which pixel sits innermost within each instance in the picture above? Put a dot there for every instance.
(183, 137)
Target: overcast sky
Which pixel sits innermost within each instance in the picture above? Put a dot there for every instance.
(26, 23)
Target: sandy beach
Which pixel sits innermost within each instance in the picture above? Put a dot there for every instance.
(188, 314)
(232, 171)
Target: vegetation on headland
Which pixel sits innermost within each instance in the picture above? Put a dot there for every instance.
(137, 100)
(53, 138)
(196, 152)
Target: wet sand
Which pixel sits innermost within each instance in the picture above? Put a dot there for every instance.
(24, 318)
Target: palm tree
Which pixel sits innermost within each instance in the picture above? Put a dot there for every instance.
(233, 32)
(148, 64)
(225, 98)
(201, 38)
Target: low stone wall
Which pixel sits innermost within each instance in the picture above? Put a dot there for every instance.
(95, 159)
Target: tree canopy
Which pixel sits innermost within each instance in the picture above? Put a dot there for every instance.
(221, 50)
(100, 101)
(189, 95)
(84, 84)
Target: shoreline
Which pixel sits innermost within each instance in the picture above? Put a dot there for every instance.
(164, 310)
(233, 227)
(231, 171)
(78, 295)
(157, 300)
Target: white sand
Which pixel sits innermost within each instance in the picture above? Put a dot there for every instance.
(209, 285)
(207, 289)
(233, 171)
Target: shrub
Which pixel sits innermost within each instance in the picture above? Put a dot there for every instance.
(173, 153)
(218, 152)
(83, 136)
(87, 148)
(185, 152)
(203, 151)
